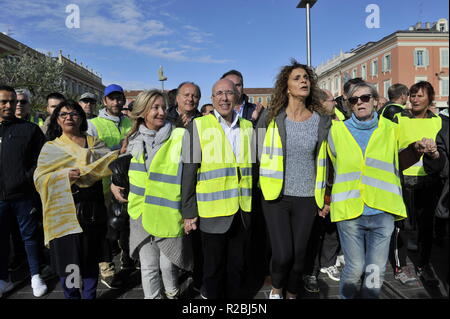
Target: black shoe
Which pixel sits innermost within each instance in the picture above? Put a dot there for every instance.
(311, 283)
(16, 263)
(426, 274)
(112, 282)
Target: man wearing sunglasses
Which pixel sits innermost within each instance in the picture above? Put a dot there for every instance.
(20, 145)
(23, 108)
(87, 102)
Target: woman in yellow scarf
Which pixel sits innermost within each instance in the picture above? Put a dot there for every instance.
(68, 179)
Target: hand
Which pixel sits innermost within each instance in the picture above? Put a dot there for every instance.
(425, 145)
(324, 211)
(190, 224)
(117, 192)
(257, 110)
(74, 175)
(124, 142)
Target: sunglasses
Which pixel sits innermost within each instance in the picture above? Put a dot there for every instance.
(364, 98)
(22, 101)
(66, 114)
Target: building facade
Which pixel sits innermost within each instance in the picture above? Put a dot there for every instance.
(259, 95)
(420, 53)
(77, 79)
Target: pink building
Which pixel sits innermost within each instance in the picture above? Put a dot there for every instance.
(417, 54)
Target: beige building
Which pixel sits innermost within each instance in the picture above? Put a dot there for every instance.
(259, 95)
(420, 53)
(77, 78)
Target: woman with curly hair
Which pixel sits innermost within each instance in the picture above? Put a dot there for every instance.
(292, 132)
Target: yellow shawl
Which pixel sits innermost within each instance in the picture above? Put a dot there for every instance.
(51, 179)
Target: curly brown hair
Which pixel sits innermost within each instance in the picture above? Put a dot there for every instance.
(280, 99)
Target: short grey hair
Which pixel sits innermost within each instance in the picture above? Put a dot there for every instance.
(192, 83)
(354, 87)
(24, 91)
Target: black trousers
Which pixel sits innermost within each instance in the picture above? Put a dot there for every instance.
(224, 261)
(289, 221)
(398, 246)
(421, 204)
(323, 246)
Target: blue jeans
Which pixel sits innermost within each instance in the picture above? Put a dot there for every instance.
(28, 224)
(365, 242)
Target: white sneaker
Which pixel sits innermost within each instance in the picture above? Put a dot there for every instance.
(275, 296)
(340, 261)
(38, 285)
(332, 272)
(5, 286)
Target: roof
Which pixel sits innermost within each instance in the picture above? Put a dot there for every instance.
(258, 90)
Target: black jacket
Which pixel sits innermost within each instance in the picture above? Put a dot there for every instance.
(20, 145)
(174, 118)
(440, 166)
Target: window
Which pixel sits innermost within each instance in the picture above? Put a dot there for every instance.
(269, 99)
(386, 63)
(354, 73)
(336, 83)
(251, 99)
(420, 78)
(364, 72)
(259, 99)
(386, 85)
(444, 57)
(421, 57)
(443, 84)
(374, 68)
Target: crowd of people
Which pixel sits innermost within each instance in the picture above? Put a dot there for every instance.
(310, 184)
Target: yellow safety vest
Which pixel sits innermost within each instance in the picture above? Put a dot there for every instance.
(271, 169)
(372, 178)
(224, 183)
(414, 129)
(108, 131)
(339, 114)
(156, 194)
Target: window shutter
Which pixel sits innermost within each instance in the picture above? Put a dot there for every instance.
(426, 59)
(415, 57)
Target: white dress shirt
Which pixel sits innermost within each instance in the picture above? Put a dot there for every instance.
(231, 132)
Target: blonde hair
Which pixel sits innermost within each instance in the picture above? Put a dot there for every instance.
(142, 105)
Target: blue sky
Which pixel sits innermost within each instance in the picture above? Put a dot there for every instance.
(198, 40)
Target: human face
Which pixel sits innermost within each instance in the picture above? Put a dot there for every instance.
(23, 106)
(299, 84)
(224, 98)
(208, 110)
(187, 98)
(8, 103)
(419, 101)
(329, 104)
(114, 103)
(69, 120)
(87, 105)
(238, 84)
(363, 110)
(52, 104)
(156, 115)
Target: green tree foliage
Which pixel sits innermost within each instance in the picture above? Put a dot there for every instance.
(40, 74)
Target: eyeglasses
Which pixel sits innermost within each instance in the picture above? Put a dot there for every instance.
(221, 93)
(4, 102)
(72, 114)
(364, 98)
(22, 101)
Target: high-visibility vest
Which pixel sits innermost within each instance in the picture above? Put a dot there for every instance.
(414, 129)
(271, 169)
(339, 114)
(108, 132)
(224, 183)
(36, 120)
(156, 194)
(372, 178)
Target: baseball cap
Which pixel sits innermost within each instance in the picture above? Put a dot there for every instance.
(88, 95)
(112, 88)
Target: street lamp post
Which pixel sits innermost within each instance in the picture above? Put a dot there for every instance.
(161, 77)
(308, 4)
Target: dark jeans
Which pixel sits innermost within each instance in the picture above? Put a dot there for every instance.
(224, 261)
(88, 288)
(289, 222)
(22, 210)
(323, 246)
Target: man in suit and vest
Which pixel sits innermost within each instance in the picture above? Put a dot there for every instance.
(217, 191)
